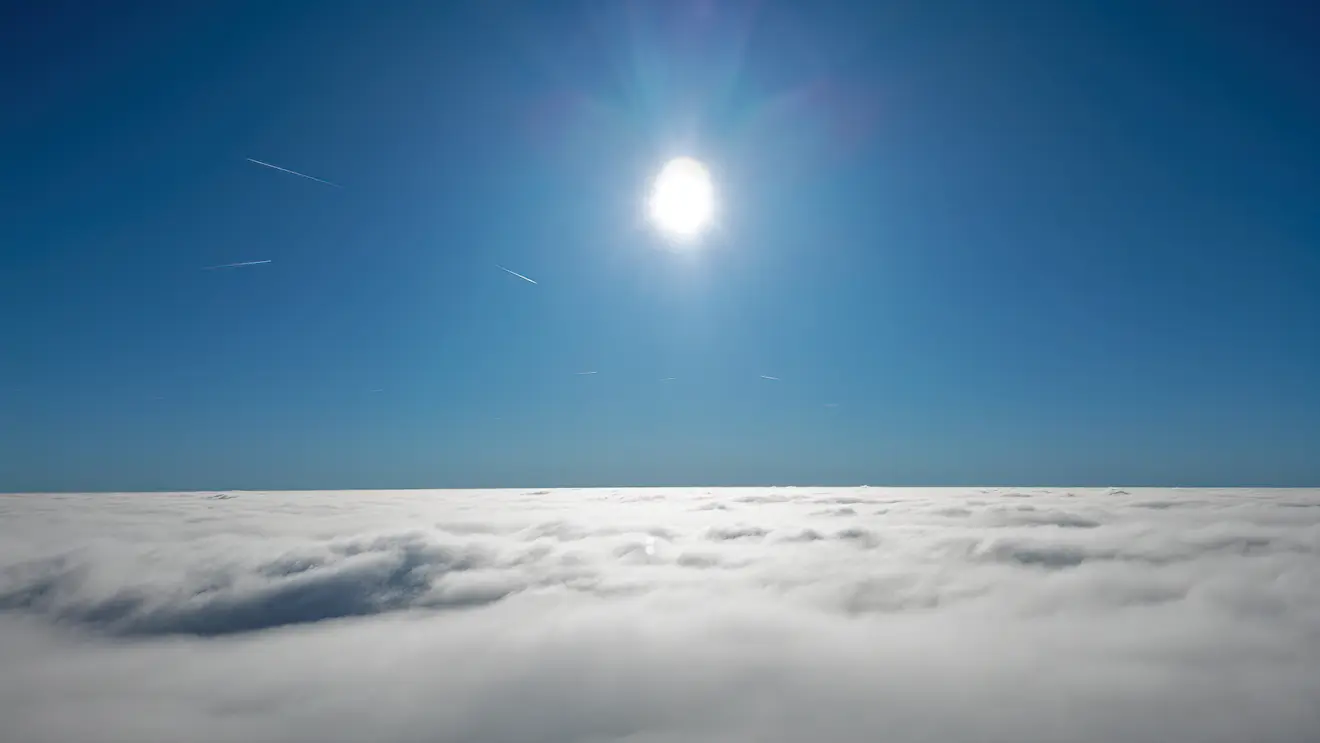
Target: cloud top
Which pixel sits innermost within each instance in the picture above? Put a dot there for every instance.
(768, 614)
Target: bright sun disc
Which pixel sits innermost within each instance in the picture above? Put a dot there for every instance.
(682, 201)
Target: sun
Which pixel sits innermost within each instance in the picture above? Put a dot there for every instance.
(682, 202)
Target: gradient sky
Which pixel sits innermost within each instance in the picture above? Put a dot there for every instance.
(978, 243)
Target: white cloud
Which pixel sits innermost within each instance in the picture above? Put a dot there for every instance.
(657, 616)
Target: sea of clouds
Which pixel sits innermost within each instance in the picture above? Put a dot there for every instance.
(774, 615)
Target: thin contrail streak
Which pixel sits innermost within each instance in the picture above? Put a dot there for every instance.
(772, 379)
(582, 373)
(236, 265)
(294, 172)
(515, 273)
(668, 379)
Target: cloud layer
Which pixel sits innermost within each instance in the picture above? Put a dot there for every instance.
(659, 616)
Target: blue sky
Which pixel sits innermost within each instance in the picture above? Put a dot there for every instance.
(1010, 243)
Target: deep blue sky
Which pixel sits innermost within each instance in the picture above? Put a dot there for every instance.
(1012, 242)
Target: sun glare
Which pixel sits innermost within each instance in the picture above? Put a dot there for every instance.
(682, 202)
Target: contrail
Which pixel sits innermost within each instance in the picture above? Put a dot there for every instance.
(294, 172)
(582, 373)
(668, 379)
(236, 265)
(515, 273)
(772, 379)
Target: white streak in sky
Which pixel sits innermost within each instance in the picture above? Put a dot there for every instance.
(582, 373)
(772, 379)
(668, 379)
(236, 265)
(515, 273)
(294, 172)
